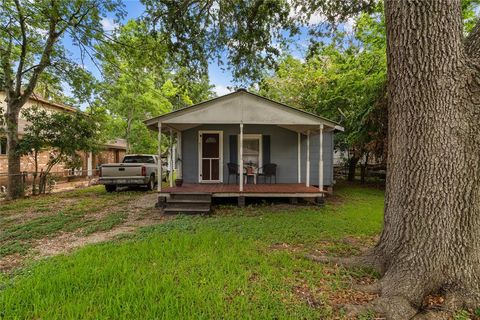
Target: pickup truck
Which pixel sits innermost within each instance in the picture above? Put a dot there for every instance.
(135, 170)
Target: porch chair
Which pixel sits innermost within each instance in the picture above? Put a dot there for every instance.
(268, 171)
(233, 170)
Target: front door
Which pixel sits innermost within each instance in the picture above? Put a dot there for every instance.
(210, 156)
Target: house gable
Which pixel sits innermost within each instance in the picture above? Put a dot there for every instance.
(240, 107)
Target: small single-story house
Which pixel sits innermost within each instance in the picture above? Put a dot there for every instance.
(244, 145)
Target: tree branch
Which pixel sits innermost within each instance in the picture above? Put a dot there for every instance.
(23, 53)
(7, 70)
(472, 43)
(44, 60)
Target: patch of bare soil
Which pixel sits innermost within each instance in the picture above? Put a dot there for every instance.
(141, 213)
(11, 262)
(344, 299)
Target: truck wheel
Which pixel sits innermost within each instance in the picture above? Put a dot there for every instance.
(151, 183)
(110, 187)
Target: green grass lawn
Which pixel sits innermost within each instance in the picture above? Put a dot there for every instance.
(238, 263)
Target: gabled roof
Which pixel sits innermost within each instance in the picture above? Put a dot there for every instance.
(39, 98)
(244, 107)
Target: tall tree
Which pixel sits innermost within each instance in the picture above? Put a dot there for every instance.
(30, 44)
(431, 237)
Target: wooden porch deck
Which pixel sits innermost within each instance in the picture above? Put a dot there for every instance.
(249, 190)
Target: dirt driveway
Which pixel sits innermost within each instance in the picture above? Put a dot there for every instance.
(54, 224)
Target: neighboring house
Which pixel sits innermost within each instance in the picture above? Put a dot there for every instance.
(111, 152)
(247, 131)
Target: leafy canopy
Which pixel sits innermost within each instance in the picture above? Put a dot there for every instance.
(141, 82)
(64, 133)
(32, 34)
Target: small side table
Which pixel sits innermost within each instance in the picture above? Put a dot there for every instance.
(254, 175)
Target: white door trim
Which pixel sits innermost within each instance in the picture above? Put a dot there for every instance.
(220, 162)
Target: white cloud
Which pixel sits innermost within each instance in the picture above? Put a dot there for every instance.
(348, 25)
(221, 90)
(316, 18)
(40, 31)
(108, 24)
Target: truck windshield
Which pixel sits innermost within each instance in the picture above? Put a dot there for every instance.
(138, 159)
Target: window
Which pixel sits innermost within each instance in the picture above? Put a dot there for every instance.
(3, 146)
(252, 150)
(139, 159)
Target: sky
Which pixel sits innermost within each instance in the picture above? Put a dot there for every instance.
(219, 78)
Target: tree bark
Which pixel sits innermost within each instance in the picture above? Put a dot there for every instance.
(352, 167)
(15, 180)
(431, 237)
(363, 169)
(35, 173)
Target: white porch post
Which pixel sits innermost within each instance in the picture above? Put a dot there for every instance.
(159, 163)
(299, 150)
(179, 153)
(241, 158)
(320, 159)
(170, 156)
(307, 171)
(90, 165)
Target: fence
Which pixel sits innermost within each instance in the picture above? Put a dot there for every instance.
(371, 172)
(57, 180)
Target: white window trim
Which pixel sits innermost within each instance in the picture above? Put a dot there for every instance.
(252, 136)
(220, 162)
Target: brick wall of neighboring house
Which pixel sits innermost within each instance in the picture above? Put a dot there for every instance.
(108, 156)
(27, 163)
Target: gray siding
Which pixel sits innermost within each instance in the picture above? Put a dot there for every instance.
(314, 156)
(283, 145)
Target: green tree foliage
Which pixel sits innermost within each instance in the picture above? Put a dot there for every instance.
(344, 81)
(62, 134)
(140, 83)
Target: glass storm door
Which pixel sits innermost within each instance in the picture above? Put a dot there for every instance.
(210, 157)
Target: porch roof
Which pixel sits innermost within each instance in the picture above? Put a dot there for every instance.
(244, 107)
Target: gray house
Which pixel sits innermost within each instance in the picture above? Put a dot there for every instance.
(244, 145)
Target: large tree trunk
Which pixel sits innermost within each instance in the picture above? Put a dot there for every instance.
(15, 179)
(431, 237)
(352, 167)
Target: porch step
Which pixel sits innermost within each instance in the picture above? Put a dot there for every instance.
(191, 196)
(186, 205)
(188, 202)
(186, 210)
